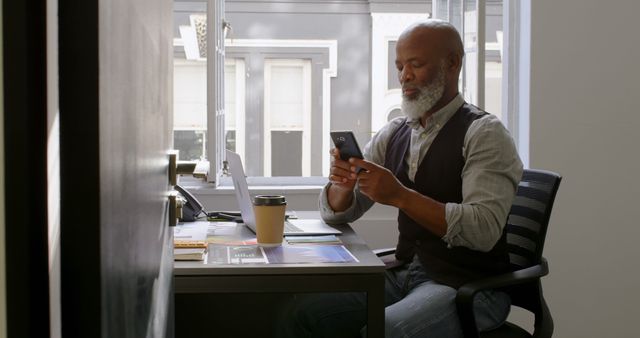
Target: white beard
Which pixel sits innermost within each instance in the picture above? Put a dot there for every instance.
(428, 96)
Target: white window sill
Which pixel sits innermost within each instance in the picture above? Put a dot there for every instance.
(257, 185)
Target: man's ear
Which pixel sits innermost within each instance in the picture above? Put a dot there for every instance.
(454, 62)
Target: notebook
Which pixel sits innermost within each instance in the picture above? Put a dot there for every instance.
(292, 227)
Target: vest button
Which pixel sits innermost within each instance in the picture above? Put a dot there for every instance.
(418, 242)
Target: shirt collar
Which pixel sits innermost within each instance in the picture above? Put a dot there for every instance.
(441, 116)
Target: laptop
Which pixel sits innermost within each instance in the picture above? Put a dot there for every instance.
(292, 227)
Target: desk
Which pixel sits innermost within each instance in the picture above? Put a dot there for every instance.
(367, 275)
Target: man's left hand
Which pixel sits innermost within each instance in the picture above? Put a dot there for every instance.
(377, 182)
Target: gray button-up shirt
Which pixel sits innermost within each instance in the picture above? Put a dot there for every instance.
(490, 176)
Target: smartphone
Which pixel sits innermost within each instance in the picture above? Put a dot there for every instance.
(346, 143)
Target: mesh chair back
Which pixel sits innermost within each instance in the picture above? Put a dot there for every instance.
(529, 217)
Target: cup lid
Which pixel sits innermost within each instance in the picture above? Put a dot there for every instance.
(269, 200)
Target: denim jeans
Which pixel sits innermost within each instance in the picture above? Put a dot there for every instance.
(415, 307)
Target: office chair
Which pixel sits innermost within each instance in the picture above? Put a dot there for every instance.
(526, 229)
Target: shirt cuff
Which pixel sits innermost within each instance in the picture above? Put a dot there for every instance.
(453, 213)
(328, 214)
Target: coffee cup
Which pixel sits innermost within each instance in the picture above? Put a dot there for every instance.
(269, 212)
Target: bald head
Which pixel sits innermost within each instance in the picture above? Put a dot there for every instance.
(441, 36)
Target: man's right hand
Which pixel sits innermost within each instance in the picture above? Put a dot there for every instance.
(343, 180)
(341, 175)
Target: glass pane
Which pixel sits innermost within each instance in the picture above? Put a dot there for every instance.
(190, 143)
(230, 96)
(189, 94)
(455, 14)
(190, 82)
(470, 38)
(230, 140)
(493, 58)
(392, 74)
(470, 77)
(286, 153)
(286, 97)
(441, 9)
(470, 41)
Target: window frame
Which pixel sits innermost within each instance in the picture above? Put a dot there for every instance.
(514, 87)
(239, 66)
(215, 90)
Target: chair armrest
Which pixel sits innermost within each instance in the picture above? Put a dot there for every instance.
(467, 292)
(388, 257)
(506, 279)
(384, 251)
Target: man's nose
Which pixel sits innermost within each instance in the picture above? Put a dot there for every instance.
(406, 75)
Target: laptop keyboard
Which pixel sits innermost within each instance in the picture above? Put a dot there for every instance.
(288, 227)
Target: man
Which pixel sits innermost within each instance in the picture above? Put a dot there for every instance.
(452, 170)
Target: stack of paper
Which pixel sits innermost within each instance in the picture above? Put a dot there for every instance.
(186, 250)
(190, 241)
(189, 244)
(189, 232)
(189, 254)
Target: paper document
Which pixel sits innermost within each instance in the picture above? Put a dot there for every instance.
(223, 254)
(192, 231)
(286, 254)
(221, 228)
(309, 254)
(190, 235)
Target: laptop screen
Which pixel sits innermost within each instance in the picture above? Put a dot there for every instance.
(241, 188)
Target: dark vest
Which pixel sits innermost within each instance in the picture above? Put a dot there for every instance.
(439, 176)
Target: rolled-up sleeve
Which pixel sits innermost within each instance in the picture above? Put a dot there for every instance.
(374, 151)
(490, 177)
(359, 205)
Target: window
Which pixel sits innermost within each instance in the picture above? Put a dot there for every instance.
(275, 91)
(283, 125)
(190, 105)
(199, 68)
(287, 117)
(495, 75)
(468, 16)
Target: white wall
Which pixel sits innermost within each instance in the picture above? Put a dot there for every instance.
(585, 73)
